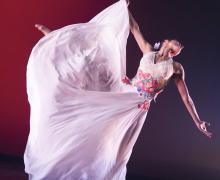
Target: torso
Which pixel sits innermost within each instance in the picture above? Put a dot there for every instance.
(151, 78)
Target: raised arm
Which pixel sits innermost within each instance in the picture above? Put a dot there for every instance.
(179, 79)
(142, 43)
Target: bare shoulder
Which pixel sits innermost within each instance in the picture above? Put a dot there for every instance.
(178, 70)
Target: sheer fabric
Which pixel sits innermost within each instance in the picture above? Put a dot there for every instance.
(84, 121)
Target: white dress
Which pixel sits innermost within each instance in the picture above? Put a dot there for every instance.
(84, 121)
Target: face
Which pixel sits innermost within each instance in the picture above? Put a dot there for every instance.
(173, 45)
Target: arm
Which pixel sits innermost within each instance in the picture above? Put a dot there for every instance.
(179, 79)
(142, 43)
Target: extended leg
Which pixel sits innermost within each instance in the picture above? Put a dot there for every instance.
(43, 29)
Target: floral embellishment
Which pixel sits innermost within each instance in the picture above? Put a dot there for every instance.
(143, 75)
(126, 80)
(146, 83)
(157, 46)
(145, 105)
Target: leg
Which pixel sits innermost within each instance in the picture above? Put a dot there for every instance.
(43, 29)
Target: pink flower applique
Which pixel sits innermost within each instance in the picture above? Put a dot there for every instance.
(143, 75)
(126, 80)
(145, 105)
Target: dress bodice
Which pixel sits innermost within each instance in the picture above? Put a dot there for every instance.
(151, 78)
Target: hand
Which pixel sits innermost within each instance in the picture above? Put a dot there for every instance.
(126, 80)
(201, 126)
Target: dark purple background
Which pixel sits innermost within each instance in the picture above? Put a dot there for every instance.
(169, 136)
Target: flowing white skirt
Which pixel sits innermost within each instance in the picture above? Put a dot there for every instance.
(84, 121)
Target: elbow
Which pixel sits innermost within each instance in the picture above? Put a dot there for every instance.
(186, 99)
(134, 27)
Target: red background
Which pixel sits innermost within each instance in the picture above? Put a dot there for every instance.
(18, 38)
(169, 134)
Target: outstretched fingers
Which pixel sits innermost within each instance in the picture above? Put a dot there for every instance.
(208, 123)
(204, 130)
(208, 134)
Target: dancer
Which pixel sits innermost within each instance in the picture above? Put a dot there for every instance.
(86, 114)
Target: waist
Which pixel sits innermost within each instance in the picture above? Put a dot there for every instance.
(147, 95)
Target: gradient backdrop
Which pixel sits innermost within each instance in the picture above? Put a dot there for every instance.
(169, 138)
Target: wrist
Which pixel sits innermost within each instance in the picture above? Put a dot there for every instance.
(198, 122)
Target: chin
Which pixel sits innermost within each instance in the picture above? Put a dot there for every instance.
(174, 53)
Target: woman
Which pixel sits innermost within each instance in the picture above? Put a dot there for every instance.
(86, 115)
